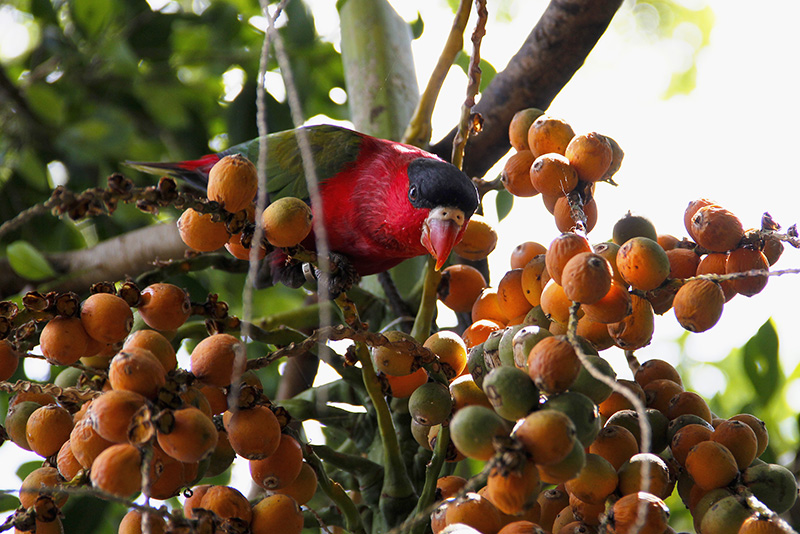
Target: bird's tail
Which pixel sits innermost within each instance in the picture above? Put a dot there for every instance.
(194, 172)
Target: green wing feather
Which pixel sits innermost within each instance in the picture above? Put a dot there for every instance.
(333, 149)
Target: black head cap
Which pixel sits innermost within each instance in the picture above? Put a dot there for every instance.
(433, 183)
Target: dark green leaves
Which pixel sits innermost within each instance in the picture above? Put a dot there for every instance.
(28, 262)
(760, 361)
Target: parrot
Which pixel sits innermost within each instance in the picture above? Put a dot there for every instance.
(382, 201)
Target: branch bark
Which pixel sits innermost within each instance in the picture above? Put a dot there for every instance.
(554, 50)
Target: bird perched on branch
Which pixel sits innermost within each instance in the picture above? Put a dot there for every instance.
(382, 201)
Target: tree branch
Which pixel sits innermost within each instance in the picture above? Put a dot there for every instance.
(555, 49)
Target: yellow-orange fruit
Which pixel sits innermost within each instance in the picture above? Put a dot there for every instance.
(156, 343)
(233, 182)
(395, 360)
(448, 486)
(632, 477)
(586, 515)
(254, 433)
(534, 278)
(451, 350)
(44, 527)
(553, 364)
(86, 443)
(118, 470)
(287, 221)
(643, 263)
(47, 429)
(686, 438)
(551, 502)
(595, 333)
(691, 209)
(164, 306)
(111, 413)
(716, 229)
(626, 513)
(521, 526)
(194, 499)
(659, 393)
(758, 426)
(276, 514)
(616, 444)
(616, 401)
(683, 262)
(218, 359)
(227, 503)
(106, 317)
(280, 468)
(487, 306)
(561, 250)
(192, 435)
(461, 286)
(136, 369)
(511, 296)
(549, 134)
(200, 232)
(555, 303)
(562, 214)
(596, 481)
(513, 490)
(476, 511)
(773, 248)
(64, 340)
(711, 465)
(401, 387)
(135, 522)
(667, 241)
(525, 252)
(519, 126)
(42, 480)
(590, 154)
(764, 524)
(738, 438)
(688, 402)
(303, 487)
(586, 278)
(516, 175)
(613, 307)
(547, 435)
(9, 359)
(478, 241)
(698, 305)
(608, 250)
(714, 263)
(236, 249)
(551, 174)
(742, 260)
(68, 465)
(568, 468)
(655, 369)
(636, 330)
(217, 399)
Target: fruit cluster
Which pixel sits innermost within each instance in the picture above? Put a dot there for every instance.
(233, 184)
(550, 159)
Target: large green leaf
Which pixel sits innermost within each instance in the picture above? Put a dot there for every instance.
(28, 262)
(760, 362)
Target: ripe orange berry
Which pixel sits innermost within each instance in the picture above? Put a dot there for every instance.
(287, 221)
(711, 465)
(68, 465)
(64, 340)
(191, 437)
(200, 232)
(236, 249)
(393, 360)
(636, 330)
(714, 263)
(254, 433)
(42, 478)
(516, 175)
(626, 514)
(450, 349)
(136, 369)
(595, 333)
(632, 475)
(548, 134)
(687, 437)
(511, 296)
(276, 514)
(551, 174)
(135, 522)
(562, 213)
(233, 182)
(566, 469)
(561, 250)
(47, 429)
(519, 126)
(118, 470)
(596, 481)
(156, 343)
(106, 317)
(111, 413)
(9, 360)
(613, 307)
(525, 252)
(280, 468)
(590, 154)
(303, 487)
(534, 278)
(716, 229)
(655, 369)
(513, 491)
(609, 251)
(164, 306)
(688, 402)
(667, 241)
(616, 401)
(487, 306)
(643, 263)
(86, 443)
(553, 364)
(698, 305)
(218, 359)
(478, 241)
(227, 503)
(461, 286)
(476, 511)
(740, 439)
(691, 209)
(659, 393)
(401, 387)
(742, 260)
(616, 444)
(586, 278)
(758, 426)
(683, 262)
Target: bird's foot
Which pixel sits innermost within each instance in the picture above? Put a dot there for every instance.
(342, 275)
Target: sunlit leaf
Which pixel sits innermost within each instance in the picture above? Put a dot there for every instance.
(28, 262)
(760, 361)
(504, 203)
(488, 71)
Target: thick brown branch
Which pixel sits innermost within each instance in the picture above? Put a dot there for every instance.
(550, 56)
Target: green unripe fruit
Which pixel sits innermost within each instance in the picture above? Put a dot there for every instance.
(524, 340)
(430, 404)
(590, 386)
(505, 349)
(473, 429)
(511, 391)
(683, 420)
(17, 420)
(581, 410)
(68, 377)
(772, 484)
(476, 364)
(658, 424)
(633, 226)
(491, 349)
(536, 317)
(725, 516)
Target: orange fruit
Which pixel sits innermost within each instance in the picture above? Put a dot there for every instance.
(626, 513)
(200, 232)
(63, 340)
(683, 262)
(534, 278)
(562, 213)
(553, 364)
(525, 252)
(551, 174)
(111, 413)
(511, 295)
(227, 502)
(487, 306)
(118, 470)
(738, 438)
(547, 435)
(85, 443)
(460, 287)
(401, 387)
(42, 478)
(136, 369)
(586, 278)
(591, 155)
(686, 438)
(549, 134)
(655, 369)
(164, 306)
(596, 481)
(280, 468)
(303, 487)
(643, 263)
(276, 514)
(450, 349)
(47, 429)
(711, 465)
(106, 317)
(9, 359)
(191, 437)
(155, 342)
(217, 359)
(233, 182)
(698, 305)
(742, 260)
(561, 250)
(478, 241)
(759, 428)
(714, 263)
(135, 522)
(519, 126)
(616, 444)
(613, 307)
(516, 176)
(716, 229)
(287, 221)
(254, 433)
(635, 330)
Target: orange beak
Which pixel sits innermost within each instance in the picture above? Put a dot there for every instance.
(440, 232)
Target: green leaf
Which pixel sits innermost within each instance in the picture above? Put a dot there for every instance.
(47, 103)
(92, 16)
(8, 502)
(27, 468)
(488, 71)
(28, 262)
(504, 203)
(760, 361)
(417, 27)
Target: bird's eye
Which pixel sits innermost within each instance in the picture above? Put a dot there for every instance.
(412, 193)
